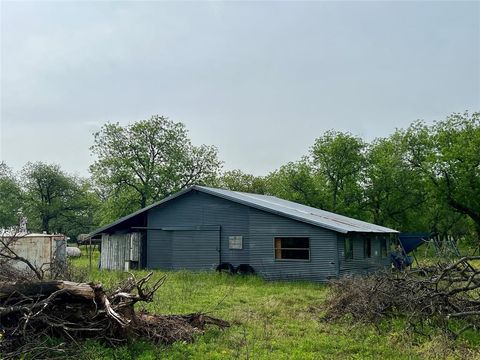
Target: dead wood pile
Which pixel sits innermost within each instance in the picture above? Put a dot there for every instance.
(32, 309)
(439, 296)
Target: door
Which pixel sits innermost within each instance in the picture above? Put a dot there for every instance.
(195, 249)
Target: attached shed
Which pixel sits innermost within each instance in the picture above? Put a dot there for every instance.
(201, 227)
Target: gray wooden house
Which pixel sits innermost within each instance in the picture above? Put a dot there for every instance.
(201, 227)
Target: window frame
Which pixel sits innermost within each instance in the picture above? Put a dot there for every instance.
(350, 240)
(292, 237)
(384, 242)
(367, 254)
(237, 237)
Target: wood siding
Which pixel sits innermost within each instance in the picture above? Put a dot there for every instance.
(119, 248)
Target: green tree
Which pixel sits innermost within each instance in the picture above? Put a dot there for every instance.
(150, 159)
(81, 213)
(297, 181)
(394, 193)
(448, 155)
(10, 197)
(115, 203)
(339, 159)
(237, 180)
(56, 201)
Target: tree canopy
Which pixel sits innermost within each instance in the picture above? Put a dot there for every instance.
(149, 160)
(339, 159)
(447, 154)
(10, 199)
(56, 201)
(423, 178)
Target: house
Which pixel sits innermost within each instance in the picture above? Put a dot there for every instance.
(201, 227)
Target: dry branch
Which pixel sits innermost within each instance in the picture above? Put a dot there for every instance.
(7, 253)
(72, 311)
(435, 295)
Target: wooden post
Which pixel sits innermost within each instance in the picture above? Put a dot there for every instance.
(90, 257)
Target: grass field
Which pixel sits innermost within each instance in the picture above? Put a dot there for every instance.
(270, 320)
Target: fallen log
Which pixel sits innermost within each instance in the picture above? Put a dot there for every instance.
(75, 311)
(13, 290)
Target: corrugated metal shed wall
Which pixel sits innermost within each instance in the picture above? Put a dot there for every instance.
(201, 245)
(159, 248)
(258, 229)
(264, 227)
(197, 209)
(360, 264)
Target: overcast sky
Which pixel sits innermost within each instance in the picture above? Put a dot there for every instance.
(258, 80)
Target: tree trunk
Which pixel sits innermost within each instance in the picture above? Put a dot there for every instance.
(45, 224)
(46, 288)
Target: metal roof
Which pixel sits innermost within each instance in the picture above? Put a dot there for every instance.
(272, 204)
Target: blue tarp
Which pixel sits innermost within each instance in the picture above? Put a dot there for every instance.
(411, 241)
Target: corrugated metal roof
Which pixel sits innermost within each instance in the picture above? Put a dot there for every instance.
(290, 209)
(299, 212)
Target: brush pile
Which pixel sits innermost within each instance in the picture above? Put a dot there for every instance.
(445, 295)
(32, 310)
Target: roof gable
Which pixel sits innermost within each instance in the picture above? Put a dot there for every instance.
(272, 204)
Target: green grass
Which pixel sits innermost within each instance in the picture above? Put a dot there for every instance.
(270, 320)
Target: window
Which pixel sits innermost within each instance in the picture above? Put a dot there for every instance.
(292, 248)
(383, 247)
(367, 247)
(393, 241)
(235, 242)
(348, 248)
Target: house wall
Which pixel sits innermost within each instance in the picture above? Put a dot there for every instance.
(264, 227)
(192, 231)
(196, 209)
(159, 247)
(257, 228)
(361, 264)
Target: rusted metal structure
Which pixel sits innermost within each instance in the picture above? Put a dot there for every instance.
(41, 250)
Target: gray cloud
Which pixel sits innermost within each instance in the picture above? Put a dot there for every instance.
(259, 80)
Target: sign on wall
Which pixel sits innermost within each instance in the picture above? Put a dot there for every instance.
(235, 242)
